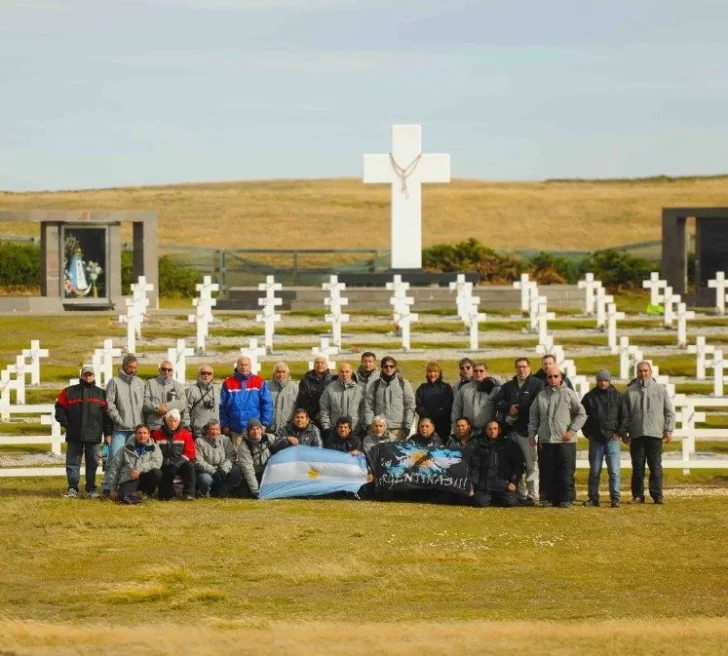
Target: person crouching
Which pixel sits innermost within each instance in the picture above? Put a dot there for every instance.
(254, 451)
(179, 453)
(214, 466)
(135, 468)
(498, 465)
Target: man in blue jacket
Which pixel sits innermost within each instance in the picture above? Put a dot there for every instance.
(243, 396)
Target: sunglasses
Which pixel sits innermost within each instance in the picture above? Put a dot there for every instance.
(556, 377)
(165, 368)
(479, 371)
(205, 373)
(389, 366)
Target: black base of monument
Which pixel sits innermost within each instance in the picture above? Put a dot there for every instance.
(415, 277)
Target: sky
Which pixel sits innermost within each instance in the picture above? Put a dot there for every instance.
(105, 93)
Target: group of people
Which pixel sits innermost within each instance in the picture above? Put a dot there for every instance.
(212, 439)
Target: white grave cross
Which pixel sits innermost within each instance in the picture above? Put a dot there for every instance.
(473, 318)
(406, 168)
(206, 288)
(335, 302)
(327, 350)
(268, 316)
(252, 352)
(542, 319)
(654, 284)
(612, 317)
(178, 357)
(590, 285)
(717, 365)
(701, 349)
(104, 362)
(682, 324)
(6, 385)
(20, 370)
(602, 300)
(529, 289)
(720, 284)
(464, 299)
(35, 353)
(671, 300)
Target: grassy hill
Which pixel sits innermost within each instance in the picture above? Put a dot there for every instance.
(344, 213)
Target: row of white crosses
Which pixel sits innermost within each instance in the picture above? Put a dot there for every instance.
(335, 302)
(13, 377)
(136, 310)
(203, 305)
(268, 304)
(467, 307)
(401, 306)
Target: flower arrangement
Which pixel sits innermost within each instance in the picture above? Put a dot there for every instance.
(94, 270)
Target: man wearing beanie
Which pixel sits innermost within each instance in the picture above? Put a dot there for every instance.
(603, 407)
(81, 410)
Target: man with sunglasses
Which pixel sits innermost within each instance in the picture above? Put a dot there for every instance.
(465, 367)
(476, 400)
(162, 394)
(203, 401)
(554, 420)
(390, 396)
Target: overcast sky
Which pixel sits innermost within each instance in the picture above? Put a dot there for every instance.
(98, 93)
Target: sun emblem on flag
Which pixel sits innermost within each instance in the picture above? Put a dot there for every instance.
(313, 472)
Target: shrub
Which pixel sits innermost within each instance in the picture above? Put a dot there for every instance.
(616, 269)
(471, 255)
(549, 269)
(176, 281)
(19, 264)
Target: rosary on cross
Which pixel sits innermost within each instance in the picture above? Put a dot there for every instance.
(404, 172)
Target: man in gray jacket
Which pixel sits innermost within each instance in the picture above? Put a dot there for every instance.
(343, 397)
(647, 420)
(162, 394)
(391, 396)
(203, 401)
(554, 420)
(476, 400)
(137, 467)
(214, 463)
(125, 406)
(284, 392)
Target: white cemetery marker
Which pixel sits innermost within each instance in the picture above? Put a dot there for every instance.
(546, 346)
(268, 316)
(404, 322)
(178, 357)
(201, 320)
(624, 351)
(654, 284)
(253, 351)
(6, 385)
(670, 304)
(542, 319)
(335, 302)
(526, 286)
(716, 364)
(473, 318)
(534, 301)
(720, 284)
(206, 288)
(612, 317)
(35, 353)
(602, 300)
(581, 385)
(106, 355)
(327, 350)
(20, 370)
(140, 301)
(406, 168)
(682, 324)
(464, 299)
(590, 286)
(701, 349)
(132, 319)
(635, 357)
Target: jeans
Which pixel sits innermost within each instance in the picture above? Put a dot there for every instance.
(118, 439)
(558, 465)
(646, 449)
(597, 452)
(531, 487)
(220, 484)
(74, 452)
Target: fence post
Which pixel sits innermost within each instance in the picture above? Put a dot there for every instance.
(295, 268)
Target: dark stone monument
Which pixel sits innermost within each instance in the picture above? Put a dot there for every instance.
(711, 248)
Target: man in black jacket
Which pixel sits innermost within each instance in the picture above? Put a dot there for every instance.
(603, 406)
(81, 410)
(312, 387)
(497, 467)
(513, 403)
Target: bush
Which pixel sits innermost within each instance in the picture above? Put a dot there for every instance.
(549, 269)
(471, 255)
(616, 269)
(176, 281)
(127, 268)
(19, 264)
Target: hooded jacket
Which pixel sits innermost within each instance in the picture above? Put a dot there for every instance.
(522, 396)
(604, 413)
(252, 458)
(203, 405)
(243, 398)
(435, 400)
(125, 401)
(393, 398)
(310, 391)
(476, 401)
(127, 459)
(81, 409)
(647, 410)
(340, 399)
(283, 394)
(309, 436)
(214, 455)
(161, 390)
(495, 464)
(556, 411)
(177, 446)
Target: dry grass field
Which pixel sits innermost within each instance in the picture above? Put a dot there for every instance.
(344, 213)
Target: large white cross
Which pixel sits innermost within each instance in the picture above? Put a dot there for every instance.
(720, 284)
(682, 324)
(612, 317)
(624, 350)
(104, 362)
(327, 350)
(529, 288)
(464, 299)
(178, 357)
(206, 287)
(201, 319)
(602, 300)
(701, 349)
(406, 168)
(269, 317)
(654, 284)
(140, 300)
(252, 352)
(590, 285)
(133, 320)
(472, 318)
(35, 353)
(542, 319)
(335, 302)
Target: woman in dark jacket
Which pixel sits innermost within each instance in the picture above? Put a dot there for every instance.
(434, 399)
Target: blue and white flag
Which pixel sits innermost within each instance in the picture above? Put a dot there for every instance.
(307, 471)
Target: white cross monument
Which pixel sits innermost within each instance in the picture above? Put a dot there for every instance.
(269, 303)
(178, 357)
(406, 168)
(612, 317)
(716, 364)
(327, 350)
(252, 352)
(683, 314)
(590, 285)
(602, 300)
(529, 289)
(654, 284)
(104, 362)
(35, 353)
(720, 284)
(701, 349)
(335, 302)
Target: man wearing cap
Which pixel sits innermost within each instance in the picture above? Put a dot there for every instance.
(603, 407)
(81, 409)
(647, 421)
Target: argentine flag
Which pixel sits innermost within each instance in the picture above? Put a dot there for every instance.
(307, 471)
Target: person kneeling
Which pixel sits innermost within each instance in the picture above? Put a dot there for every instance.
(179, 454)
(214, 467)
(255, 449)
(135, 468)
(497, 467)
